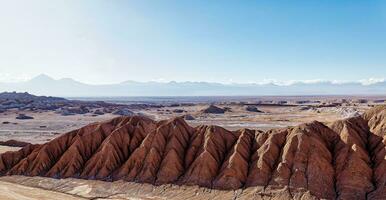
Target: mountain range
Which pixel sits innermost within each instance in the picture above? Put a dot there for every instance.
(67, 87)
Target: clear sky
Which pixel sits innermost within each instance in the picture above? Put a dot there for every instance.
(110, 41)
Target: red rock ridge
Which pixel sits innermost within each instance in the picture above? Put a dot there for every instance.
(340, 160)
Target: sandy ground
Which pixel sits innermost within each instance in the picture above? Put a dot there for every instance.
(44, 127)
(48, 125)
(272, 116)
(12, 191)
(134, 191)
(6, 148)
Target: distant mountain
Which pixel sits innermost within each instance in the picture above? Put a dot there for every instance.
(45, 85)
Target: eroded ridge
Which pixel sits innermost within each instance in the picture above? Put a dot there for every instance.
(340, 160)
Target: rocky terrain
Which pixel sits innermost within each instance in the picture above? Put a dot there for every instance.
(38, 119)
(340, 160)
(65, 107)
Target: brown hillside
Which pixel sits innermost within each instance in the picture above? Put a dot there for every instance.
(340, 160)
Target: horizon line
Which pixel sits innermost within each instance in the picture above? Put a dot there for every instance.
(363, 82)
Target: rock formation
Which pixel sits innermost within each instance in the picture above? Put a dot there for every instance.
(340, 160)
(65, 107)
(213, 110)
(124, 112)
(23, 117)
(14, 143)
(189, 117)
(252, 109)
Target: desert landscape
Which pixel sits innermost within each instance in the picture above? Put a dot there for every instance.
(52, 116)
(192, 100)
(239, 148)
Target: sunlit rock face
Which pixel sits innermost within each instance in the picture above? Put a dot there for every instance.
(340, 160)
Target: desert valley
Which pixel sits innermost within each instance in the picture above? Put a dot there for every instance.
(192, 100)
(327, 147)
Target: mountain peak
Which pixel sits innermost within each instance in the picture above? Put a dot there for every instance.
(42, 77)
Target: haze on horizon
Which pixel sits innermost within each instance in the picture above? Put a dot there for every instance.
(100, 42)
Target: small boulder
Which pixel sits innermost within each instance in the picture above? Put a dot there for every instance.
(227, 109)
(253, 109)
(23, 117)
(305, 108)
(178, 111)
(189, 117)
(98, 112)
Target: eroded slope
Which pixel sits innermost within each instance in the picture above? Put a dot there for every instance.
(341, 160)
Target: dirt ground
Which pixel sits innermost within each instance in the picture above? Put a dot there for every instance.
(12, 191)
(44, 127)
(47, 125)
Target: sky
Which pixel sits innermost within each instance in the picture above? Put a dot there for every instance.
(110, 41)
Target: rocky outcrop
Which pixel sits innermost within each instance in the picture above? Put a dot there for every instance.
(124, 112)
(252, 109)
(23, 117)
(212, 109)
(14, 143)
(65, 107)
(340, 160)
(189, 117)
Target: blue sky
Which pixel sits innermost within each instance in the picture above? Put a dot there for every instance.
(232, 41)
